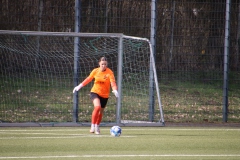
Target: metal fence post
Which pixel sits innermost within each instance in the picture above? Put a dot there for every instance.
(226, 61)
(151, 75)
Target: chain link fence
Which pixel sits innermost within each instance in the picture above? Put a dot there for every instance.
(189, 49)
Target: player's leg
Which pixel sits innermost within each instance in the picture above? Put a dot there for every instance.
(98, 121)
(96, 111)
(100, 116)
(95, 115)
(103, 102)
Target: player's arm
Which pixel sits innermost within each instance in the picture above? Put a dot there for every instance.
(114, 88)
(84, 83)
(113, 85)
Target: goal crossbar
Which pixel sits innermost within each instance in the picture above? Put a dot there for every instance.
(69, 34)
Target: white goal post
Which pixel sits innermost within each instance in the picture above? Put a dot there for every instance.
(47, 65)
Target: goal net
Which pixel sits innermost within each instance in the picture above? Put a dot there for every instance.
(40, 69)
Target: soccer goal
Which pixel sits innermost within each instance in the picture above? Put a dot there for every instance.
(39, 70)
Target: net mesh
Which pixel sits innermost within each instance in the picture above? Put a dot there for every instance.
(37, 77)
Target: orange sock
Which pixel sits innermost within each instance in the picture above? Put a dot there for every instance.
(95, 114)
(99, 118)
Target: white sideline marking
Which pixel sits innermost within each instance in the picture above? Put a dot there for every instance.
(54, 135)
(127, 128)
(41, 133)
(96, 136)
(66, 137)
(97, 156)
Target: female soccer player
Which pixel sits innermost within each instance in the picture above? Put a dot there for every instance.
(104, 77)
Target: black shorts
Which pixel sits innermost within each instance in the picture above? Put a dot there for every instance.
(103, 101)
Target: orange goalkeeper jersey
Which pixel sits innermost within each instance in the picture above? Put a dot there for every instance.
(102, 83)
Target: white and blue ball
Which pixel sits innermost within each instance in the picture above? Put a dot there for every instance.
(115, 131)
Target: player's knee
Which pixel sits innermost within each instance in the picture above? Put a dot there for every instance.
(97, 108)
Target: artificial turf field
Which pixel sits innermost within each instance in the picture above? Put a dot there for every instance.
(135, 143)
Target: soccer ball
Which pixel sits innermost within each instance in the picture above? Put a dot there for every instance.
(115, 131)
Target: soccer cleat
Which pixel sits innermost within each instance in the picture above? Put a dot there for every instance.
(92, 128)
(97, 130)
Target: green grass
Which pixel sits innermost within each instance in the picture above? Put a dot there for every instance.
(184, 99)
(138, 143)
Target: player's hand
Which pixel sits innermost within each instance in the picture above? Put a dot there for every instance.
(115, 93)
(77, 88)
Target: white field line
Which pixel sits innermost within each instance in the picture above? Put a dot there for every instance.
(65, 137)
(54, 135)
(125, 128)
(42, 133)
(116, 156)
(79, 135)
